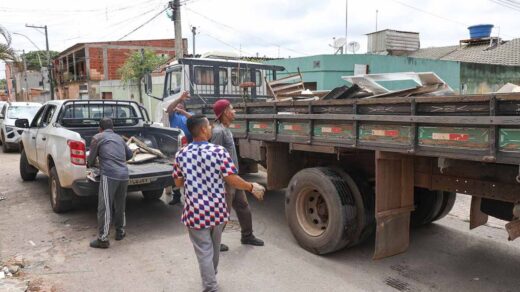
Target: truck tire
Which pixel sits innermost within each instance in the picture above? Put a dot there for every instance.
(448, 201)
(27, 171)
(321, 210)
(153, 194)
(5, 146)
(428, 204)
(61, 198)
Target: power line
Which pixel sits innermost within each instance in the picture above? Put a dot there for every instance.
(225, 43)
(506, 5)
(145, 23)
(240, 32)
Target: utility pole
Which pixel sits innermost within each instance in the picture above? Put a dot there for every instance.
(194, 32)
(49, 65)
(346, 26)
(26, 97)
(175, 5)
(377, 11)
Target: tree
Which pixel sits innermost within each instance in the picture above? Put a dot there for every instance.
(6, 52)
(36, 59)
(138, 65)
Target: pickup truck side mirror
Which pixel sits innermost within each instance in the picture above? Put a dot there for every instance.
(148, 83)
(21, 123)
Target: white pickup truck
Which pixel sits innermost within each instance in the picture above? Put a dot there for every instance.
(56, 143)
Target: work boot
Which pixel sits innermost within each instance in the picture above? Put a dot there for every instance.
(97, 243)
(224, 247)
(176, 197)
(120, 234)
(252, 240)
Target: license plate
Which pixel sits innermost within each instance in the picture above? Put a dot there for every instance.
(141, 181)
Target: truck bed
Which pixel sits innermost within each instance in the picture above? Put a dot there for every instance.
(469, 127)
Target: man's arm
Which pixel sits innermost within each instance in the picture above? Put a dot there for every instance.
(238, 183)
(183, 112)
(91, 160)
(179, 182)
(171, 107)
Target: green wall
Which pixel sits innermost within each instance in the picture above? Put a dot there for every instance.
(482, 78)
(332, 67)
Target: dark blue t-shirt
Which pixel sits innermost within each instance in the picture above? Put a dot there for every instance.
(178, 120)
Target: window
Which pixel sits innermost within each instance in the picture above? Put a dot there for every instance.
(38, 117)
(204, 76)
(245, 76)
(174, 78)
(81, 115)
(22, 112)
(47, 117)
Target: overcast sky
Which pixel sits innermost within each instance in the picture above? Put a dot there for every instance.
(274, 28)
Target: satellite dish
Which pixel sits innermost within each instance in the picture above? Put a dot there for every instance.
(339, 43)
(353, 47)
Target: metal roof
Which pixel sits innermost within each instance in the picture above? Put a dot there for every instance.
(506, 53)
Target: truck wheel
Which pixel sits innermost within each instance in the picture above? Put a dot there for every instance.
(61, 198)
(427, 205)
(153, 194)
(448, 201)
(5, 146)
(321, 210)
(27, 171)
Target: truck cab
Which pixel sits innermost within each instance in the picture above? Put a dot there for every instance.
(211, 78)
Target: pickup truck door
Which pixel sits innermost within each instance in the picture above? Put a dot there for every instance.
(30, 141)
(42, 136)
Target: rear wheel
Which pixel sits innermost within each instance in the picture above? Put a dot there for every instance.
(27, 171)
(61, 198)
(430, 205)
(153, 194)
(322, 210)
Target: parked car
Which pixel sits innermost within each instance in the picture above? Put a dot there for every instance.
(10, 135)
(57, 141)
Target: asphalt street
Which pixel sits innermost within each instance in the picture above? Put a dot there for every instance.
(158, 256)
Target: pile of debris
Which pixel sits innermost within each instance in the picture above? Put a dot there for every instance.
(141, 151)
(11, 274)
(363, 86)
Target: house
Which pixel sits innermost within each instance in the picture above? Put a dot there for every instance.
(80, 70)
(28, 85)
(472, 67)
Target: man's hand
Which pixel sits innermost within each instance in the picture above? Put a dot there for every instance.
(185, 96)
(258, 191)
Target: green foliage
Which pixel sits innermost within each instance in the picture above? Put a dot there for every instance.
(33, 62)
(3, 84)
(7, 53)
(137, 65)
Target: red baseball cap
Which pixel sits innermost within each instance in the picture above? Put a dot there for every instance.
(220, 106)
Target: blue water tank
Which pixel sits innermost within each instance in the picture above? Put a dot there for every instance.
(480, 31)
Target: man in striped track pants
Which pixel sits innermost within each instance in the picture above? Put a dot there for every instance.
(113, 154)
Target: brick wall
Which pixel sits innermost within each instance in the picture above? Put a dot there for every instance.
(96, 63)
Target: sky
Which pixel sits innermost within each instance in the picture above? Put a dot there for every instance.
(272, 28)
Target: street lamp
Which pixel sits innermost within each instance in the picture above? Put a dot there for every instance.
(39, 59)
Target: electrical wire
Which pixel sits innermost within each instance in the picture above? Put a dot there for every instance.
(145, 23)
(506, 4)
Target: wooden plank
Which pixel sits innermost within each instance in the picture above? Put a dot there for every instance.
(454, 137)
(476, 217)
(394, 202)
(384, 133)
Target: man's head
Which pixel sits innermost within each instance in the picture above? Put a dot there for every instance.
(224, 111)
(199, 127)
(106, 124)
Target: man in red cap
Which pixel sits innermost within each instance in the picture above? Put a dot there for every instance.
(237, 199)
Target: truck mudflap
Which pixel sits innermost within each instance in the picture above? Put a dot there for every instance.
(86, 187)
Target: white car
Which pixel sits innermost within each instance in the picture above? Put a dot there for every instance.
(10, 136)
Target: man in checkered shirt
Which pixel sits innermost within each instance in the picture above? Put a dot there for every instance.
(201, 168)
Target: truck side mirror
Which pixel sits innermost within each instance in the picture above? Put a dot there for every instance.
(21, 123)
(148, 83)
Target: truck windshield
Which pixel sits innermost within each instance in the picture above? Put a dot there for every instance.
(22, 112)
(87, 115)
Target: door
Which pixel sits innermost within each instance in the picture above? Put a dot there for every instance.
(42, 136)
(30, 140)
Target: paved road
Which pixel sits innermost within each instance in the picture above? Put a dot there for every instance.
(157, 254)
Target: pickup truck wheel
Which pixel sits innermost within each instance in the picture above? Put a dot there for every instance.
(27, 171)
(153, 194)
(428, 204)
(61, 198)
(321, 210)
